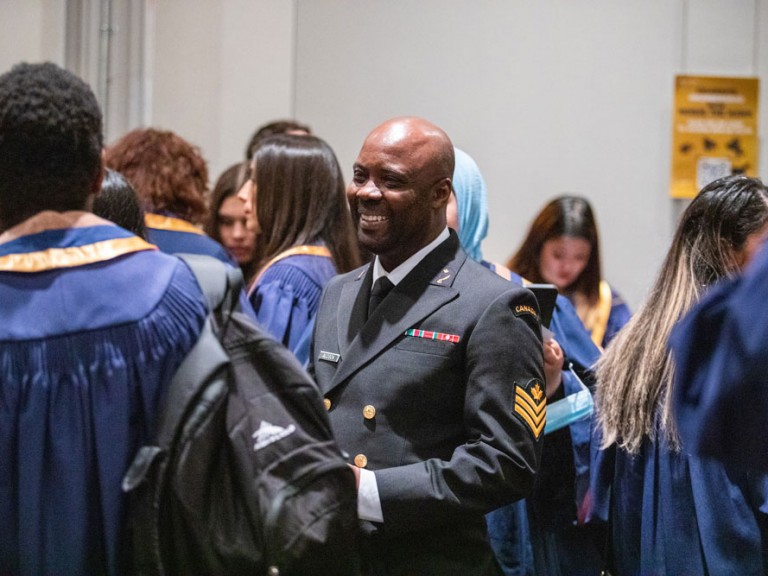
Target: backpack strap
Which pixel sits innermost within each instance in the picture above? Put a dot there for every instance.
(201, 365)
(220, 283)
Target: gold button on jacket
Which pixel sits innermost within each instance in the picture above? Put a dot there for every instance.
(327, 403)
(369, 412)
(361, 461)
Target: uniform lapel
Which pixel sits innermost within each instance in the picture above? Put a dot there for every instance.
(353, 308)
(428, 287)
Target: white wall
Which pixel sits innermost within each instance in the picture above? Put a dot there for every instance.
(221, 69)
(549, 97)
(210, 71)
(31, 31)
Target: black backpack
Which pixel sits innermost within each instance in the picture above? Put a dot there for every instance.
(245, 477)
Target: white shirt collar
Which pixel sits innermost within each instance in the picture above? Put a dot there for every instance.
(400, 272)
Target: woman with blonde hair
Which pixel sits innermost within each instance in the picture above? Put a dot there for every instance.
(671, 512)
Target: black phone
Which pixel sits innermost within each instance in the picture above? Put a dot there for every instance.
(546, 295)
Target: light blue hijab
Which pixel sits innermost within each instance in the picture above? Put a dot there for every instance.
(472, 201)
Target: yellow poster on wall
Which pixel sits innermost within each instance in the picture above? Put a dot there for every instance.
(714, 131)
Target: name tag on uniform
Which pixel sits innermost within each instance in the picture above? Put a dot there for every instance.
(329, 357)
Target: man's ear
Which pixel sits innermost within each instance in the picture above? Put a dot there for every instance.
(96, 186)
(441, 193)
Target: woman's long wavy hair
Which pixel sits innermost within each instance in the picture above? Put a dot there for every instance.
(168, 173)
(562, 216)
(301, 199)
(635, 375)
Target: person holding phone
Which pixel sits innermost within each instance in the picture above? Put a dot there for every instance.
(562, 247)
(538, 536)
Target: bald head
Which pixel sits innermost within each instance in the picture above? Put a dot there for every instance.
(427, 142)
(400, 188)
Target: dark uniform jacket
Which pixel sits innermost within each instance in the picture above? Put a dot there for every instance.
(440, 393)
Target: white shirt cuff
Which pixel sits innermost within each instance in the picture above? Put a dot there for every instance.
(368, 503)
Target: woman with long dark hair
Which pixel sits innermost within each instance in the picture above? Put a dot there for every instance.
(297, 206)
(563, 248)
(227, 221)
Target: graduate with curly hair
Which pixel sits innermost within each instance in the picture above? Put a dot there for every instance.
(296, 204)
(171, 178)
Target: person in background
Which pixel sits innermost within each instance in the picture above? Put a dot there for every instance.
(118, 202)
(672, 512)
(296, 205)
(272, 128)
(431, 367)
(562, 248)
(170, 177)
(720, 350)
(95, 322)
(550, 543)
(227, 221)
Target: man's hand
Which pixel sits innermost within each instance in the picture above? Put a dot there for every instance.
(553, 365)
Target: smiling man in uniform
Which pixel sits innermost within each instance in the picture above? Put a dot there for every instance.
(431, 367)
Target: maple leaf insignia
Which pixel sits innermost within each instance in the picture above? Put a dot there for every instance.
(537, 393)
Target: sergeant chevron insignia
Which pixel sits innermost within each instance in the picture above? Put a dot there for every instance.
(531, 405)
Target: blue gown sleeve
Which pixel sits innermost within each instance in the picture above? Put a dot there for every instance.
(508, 533)
(73, 410)
(304, 345)
(572, 336)
(721, 357)
(285, 301)
(730, 509)
(602, 469)
(245, 306)
(619, 316)
(582, 354)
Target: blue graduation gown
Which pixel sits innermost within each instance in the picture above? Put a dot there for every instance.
(619, 316)
(91, 333)
(508, 527)
(175, 236)
(674, 513)
(721, 356)
(286, 298)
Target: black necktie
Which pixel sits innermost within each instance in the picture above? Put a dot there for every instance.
(379, 291)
